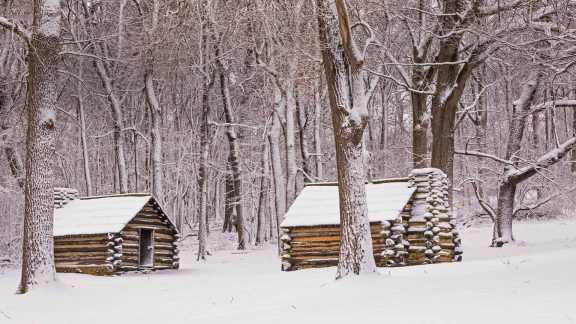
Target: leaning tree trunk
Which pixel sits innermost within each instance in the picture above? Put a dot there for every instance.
(348, 103)
(43, 57)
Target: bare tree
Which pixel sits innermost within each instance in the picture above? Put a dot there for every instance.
(44, 45)
(345, 79)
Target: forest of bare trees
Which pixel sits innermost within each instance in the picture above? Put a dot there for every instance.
(225, 109)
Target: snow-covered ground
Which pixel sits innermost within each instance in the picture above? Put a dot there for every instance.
(532, 282)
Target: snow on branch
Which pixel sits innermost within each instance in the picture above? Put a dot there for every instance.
(350, 47)
(543, 201)
(493, 10)
(545, 161)
(484, 155)
(16, 28)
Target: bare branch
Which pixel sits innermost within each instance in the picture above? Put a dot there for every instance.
(16, 28)
(484, 155)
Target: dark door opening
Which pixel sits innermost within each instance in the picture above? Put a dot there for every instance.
(146, 247)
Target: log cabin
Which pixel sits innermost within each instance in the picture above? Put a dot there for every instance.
(108, 235)
(410, 221)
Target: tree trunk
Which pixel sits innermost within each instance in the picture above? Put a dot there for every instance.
(203, 172)
(507, 188)
(43, 58)
(85, 155)
(504, 212)
(263, 197)
(234, 161)
(573, 158)
(302, 123)
(155, 131)
(291, 166)
(117, 129)
(419, 131)
(348, 103)
(229, 206)
(274, 139)
(317, 125)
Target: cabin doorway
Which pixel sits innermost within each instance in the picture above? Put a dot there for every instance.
(146, 248)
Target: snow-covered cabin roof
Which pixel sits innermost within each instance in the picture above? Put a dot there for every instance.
(97, 215)
(319, 205)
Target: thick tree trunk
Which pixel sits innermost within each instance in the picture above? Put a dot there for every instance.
(234, 161)
(504, 212)
(507, 188)
(419, 131)
(450, 82)
(43, 58)
(348, 103)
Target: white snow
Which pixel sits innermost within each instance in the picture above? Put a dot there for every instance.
(319, 205)
(529, 283)
(97, 215)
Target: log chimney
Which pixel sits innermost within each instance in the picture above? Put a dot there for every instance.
(62, 196)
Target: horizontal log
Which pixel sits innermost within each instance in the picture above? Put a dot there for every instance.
(97, 238)
(81, 248)
(82, 254)
(87, 269)
(95, 259)
(157, 229)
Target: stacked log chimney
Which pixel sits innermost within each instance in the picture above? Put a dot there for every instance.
(62, 196)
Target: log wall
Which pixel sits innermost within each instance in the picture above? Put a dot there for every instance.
(165, 240)
(90, 254)
(113, 253)
(306, 247)
(422, 233)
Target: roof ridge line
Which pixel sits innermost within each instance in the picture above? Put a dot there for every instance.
(134, 194)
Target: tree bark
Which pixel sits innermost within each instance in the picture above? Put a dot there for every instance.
(118, 125)
(419, 131)
(43, 58)
(348, 103)
(507, 187)
(85, 155)
(304, 152)
(234, 161)
(317, 125)
(275, 155)
(290, 110)
(263, 201)
(573, 158)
